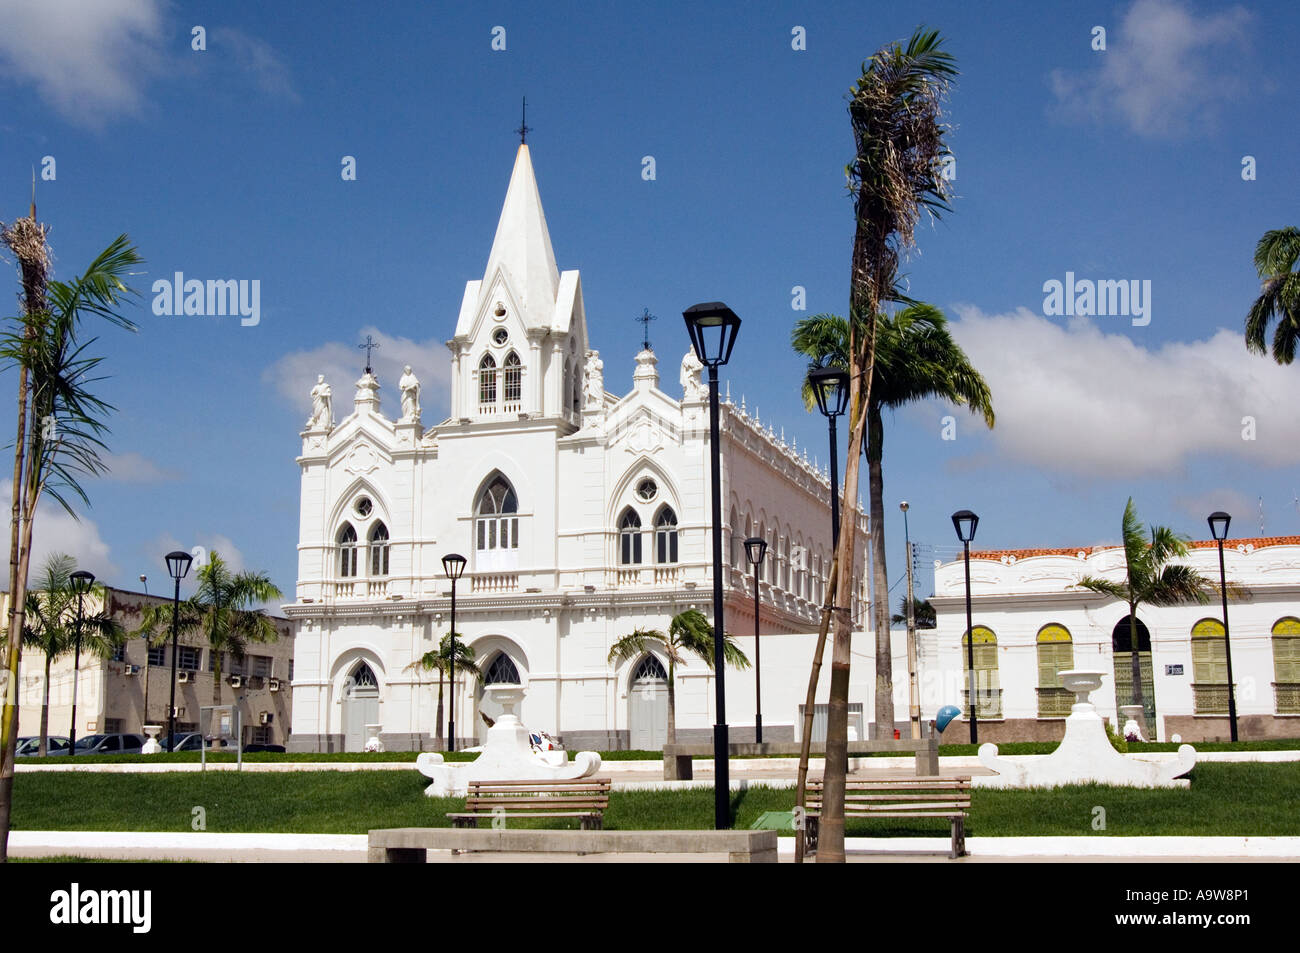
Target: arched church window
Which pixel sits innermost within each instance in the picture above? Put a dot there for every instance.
(666, 536)
(649, 669)
(577, 389)
(363, 677)
(379, 550)
(487, 380)
(502, 671)
(347, 540)
(496, 525)
(513, 379)
(629, 537)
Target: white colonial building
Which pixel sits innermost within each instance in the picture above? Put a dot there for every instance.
(1030, 621)
(583, 515)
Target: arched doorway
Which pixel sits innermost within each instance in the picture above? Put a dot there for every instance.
(360, 706)
(647, 706)
(1121, 646)
(500, 670)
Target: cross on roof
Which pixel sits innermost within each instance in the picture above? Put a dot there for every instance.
(645, 318)
(369, 346)
(524, 129)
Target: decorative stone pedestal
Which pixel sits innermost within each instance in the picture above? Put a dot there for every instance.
(1085, 754)
(507, 755)
(151, 746)
(373, 744)
(1134, 718)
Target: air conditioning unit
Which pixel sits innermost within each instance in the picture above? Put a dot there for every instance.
(236, 681)
(184, 676)
(178, 712)
(273, 684)
(131, 670)
(264, 718)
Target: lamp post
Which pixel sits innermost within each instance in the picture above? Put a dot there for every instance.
(178, 566)
(830, 386)
(755, 550)
(913, 695)
(964, 521)
(453, 564)
(713, 328)
(1219, 530)
(81, 582)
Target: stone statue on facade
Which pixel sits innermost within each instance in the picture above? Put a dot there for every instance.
(692, 382)
(410, 388)
(322, 414)
(594, 389)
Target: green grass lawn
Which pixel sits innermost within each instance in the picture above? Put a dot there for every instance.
(1225, 799)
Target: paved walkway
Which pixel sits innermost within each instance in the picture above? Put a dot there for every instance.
(351, 848)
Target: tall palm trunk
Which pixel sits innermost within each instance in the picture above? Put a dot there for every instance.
(810, 702)
(1136, 660)
(671, 734)
(830, 843)
(43, 750)
(440, 727)
(880, 578)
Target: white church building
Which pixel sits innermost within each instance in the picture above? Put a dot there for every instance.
(583, 515)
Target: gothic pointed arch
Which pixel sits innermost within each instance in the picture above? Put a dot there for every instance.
(377, 541)
(346, 541)
(666, 535)
(512, 379)
(487, 380)
(496, 519)
(629, 537)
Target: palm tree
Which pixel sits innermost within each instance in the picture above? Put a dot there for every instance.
(924, 617)
(439, 660)
(689, 632)
(1151, 578)
(895, 109)
(222, 609)
(1279, 297)
(50, 625)
(916, 359)
(60, 421)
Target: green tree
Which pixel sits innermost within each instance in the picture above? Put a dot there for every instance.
(60, 422)
(223, 610)
(50, 625)
(924, 618)
(1279, 296)
(689, 633)
(1151, 578)
(439, 661)
(895, 108)
(916, 359)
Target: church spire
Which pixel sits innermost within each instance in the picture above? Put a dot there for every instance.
(522, 246)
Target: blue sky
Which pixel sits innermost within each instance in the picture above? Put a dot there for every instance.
(1123, 163)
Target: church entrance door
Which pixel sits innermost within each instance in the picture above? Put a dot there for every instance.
(360, 707)
(647, 716)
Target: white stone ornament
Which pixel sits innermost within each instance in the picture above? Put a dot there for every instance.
(508, 755)
(593, 391)
(691, 379)
(1085, 755)
(410, 387)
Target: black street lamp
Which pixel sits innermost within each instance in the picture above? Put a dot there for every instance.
(830, 386)
(80, 581)
(755, 550)
(713, 328)
(1219, 530)
(964, 521)
(453, 564)
(178, 566)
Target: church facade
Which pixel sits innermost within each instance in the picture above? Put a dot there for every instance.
(583, 516)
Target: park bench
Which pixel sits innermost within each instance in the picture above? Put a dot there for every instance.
(940, 797)
(677, 757)
(585, 799)
(410, 845)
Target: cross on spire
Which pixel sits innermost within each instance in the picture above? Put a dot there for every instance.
(524, 129)
(645, 318)
(369, 346)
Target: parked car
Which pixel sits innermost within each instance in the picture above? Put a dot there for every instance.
(30, 747)
(107, 744)
(184, 741)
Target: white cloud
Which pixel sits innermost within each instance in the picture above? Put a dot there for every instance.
(1074, 399)
(200, 547)
(1200, 505)
(1166, 72)
(89, 59)
(132, 467)
(54, 531)
(257, 59)
(294, 374)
